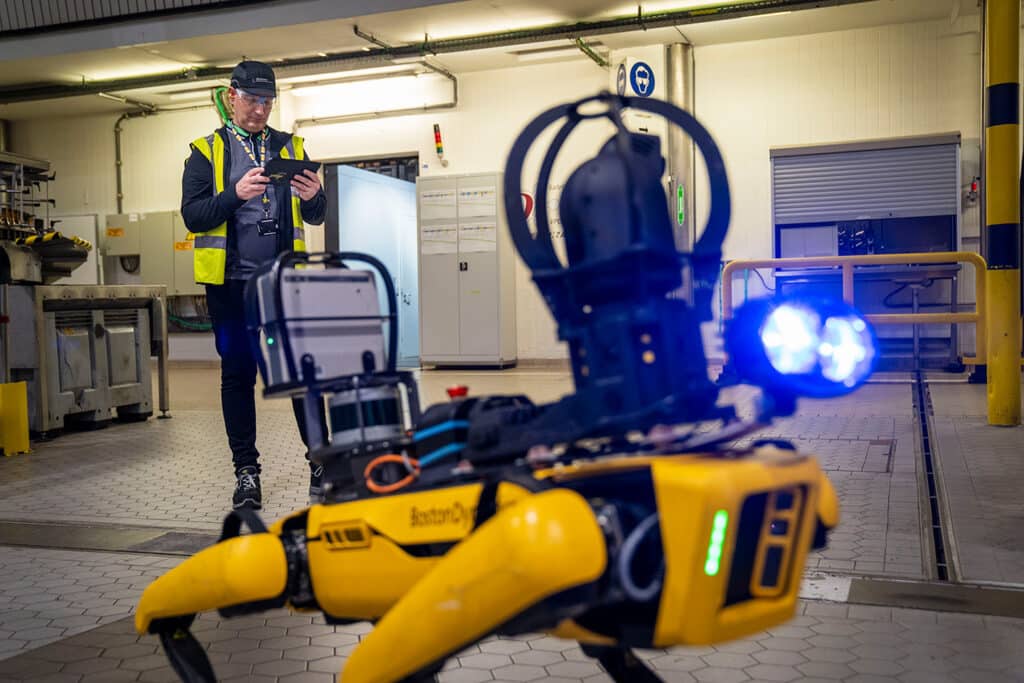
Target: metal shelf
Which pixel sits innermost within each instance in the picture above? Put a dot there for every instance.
(31, 164)
(24, 192)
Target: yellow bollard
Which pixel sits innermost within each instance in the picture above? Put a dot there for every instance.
(13, 418)
(1002, 209)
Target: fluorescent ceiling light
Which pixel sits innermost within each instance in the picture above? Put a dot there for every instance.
(557, 53)
(762, 16)
(301, 88)
(408, 60)
(356, 86)
(335, 74)
(664, 6)
(188, 95)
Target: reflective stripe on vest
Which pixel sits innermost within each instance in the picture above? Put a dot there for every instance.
(298, 229)
(210, 251)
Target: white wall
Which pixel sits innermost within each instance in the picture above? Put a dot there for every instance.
(907, 79)
(888, 81)
(895, 80)
(493, 108)
(81, 151)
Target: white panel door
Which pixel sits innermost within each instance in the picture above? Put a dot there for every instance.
(440, 306)
(377, 216)
(478, 304)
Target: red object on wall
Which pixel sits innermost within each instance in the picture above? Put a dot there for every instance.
(527, 204)
(457, 391)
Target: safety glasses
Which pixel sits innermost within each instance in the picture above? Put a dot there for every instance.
(254, 100)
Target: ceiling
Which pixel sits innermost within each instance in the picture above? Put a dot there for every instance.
(437, 20)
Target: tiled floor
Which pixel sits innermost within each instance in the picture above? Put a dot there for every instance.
(826, 642)
(48, 595)
(867, 443)
(982, 471)
(65, 615)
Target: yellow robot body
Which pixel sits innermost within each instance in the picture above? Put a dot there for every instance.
(770, 504)
(732, 537)
(366, 554)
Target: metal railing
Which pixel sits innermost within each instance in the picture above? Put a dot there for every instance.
(847, 264)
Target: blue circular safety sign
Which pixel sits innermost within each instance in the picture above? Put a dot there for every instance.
(641, 79)
(620, 80)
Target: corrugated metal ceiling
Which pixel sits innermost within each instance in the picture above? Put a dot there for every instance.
(29, 16)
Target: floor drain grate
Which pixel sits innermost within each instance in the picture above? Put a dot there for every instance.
(922, 404)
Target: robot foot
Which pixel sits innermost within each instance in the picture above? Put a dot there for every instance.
(622, 665)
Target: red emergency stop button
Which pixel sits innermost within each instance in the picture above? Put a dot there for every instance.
(457, 391)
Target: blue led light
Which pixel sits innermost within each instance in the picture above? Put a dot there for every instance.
(806, 347)
(790, 338)
(846, 350)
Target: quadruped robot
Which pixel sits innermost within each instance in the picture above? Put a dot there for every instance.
(618, 516)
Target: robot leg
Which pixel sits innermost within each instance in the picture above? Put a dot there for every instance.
(541, 546)
(240, 571)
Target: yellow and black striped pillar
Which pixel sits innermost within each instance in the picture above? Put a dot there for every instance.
(1002, 209)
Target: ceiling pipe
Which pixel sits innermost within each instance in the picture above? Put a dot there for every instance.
(144, 109)
(141, 106)
(590, 52)
(384, 53)
(117, 150)
(370, 38)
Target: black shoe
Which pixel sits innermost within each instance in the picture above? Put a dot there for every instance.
(316, 484)
(247, 489)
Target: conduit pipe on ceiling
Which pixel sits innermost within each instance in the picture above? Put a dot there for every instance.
(348, 118)
(384, 54)
(585, 48)
(144, 109)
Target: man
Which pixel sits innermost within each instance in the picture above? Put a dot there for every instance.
(241, 222)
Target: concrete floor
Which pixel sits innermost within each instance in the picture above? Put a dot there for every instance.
(90, 518)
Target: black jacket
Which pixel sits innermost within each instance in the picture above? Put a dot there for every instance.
(203, 211)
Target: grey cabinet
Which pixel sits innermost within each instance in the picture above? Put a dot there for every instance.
(466, 272)
(162, 243)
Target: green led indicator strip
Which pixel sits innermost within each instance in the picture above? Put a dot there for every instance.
(680, 204)
(718, 528)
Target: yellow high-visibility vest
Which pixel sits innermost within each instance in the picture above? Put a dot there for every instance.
(211, 248)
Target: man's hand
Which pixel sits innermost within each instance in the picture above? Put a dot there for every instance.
(252, 184)
(306, 185)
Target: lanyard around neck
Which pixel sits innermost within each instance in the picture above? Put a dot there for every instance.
(252, 156)
(264, 200)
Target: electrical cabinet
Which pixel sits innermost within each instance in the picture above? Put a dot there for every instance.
(466, 272)
(163, 245)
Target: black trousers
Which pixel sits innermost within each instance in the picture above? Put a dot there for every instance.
(235, 345)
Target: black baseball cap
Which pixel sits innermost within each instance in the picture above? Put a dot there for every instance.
(254, 77)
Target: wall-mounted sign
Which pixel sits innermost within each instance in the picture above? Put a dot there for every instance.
(620, 80)
(641, 79)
